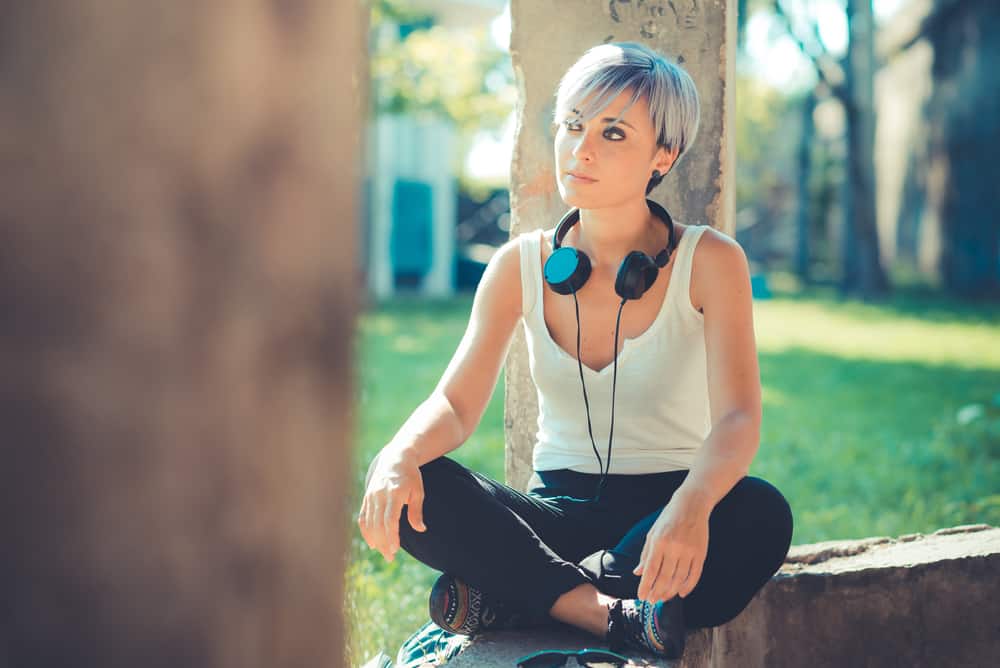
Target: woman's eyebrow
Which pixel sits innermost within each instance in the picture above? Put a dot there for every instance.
(608, 119)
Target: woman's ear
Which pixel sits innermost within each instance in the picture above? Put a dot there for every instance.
(664, 162)
(665, 159)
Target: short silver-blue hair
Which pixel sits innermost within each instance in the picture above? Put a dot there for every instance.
(604, 71)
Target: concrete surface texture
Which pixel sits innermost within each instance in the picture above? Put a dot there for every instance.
(546, 38)
(917, 600)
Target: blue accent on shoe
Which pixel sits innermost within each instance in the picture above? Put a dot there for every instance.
(638, 624)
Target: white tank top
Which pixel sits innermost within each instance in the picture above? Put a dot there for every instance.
(662, 412)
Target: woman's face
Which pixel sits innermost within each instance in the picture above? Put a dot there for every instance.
(619, 158)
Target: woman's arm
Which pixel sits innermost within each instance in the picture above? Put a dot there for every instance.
(676, 545)
(723, 290)
(455, 407)
(446, 419)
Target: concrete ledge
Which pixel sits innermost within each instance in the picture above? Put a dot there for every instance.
(912, 601)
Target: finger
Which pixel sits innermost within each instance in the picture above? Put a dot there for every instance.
(374, 521)
(415, 510)
(642, 560)
(666, 575)
(693, 578)
(361, 521)
(649, 577)
(391, 527)
(641, 568)
(367, 527)
(373, 529)
(377, 528)
(680, 576)
(373, 524)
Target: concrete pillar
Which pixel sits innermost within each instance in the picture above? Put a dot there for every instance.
(546, 38)
(177, 301)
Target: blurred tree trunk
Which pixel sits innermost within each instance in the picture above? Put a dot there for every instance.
(862, 273)
(852, 82)
(177, 281)
(803, 219)
(963, 170)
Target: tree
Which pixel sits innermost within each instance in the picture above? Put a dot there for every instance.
(851, 81)
(455, 73)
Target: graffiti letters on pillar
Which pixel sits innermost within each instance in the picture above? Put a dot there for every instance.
(650, 15)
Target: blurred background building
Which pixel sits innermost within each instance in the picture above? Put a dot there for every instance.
(427, 232)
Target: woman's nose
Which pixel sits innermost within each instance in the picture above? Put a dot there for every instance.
(583, 149)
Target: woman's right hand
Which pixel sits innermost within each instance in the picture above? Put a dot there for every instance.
(394, 480)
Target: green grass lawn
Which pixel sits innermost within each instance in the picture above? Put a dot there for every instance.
(879, 420)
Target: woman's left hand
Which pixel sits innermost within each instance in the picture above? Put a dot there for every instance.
(674, 553)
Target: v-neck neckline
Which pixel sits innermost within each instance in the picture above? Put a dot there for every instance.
(626, 342)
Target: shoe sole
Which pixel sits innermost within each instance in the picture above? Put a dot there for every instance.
(448, 598)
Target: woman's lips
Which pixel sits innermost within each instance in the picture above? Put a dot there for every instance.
(579, 179)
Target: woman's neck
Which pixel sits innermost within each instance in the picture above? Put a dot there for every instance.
(607, 235)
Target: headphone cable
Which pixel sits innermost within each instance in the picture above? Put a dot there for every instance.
(614, 383)
(583, 384)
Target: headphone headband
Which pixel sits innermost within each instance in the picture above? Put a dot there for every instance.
(572, 217)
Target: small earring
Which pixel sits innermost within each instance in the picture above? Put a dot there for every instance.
(654, 180)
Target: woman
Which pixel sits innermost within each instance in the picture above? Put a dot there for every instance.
(677, 535)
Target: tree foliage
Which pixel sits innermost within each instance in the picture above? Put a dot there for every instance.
(422, 68)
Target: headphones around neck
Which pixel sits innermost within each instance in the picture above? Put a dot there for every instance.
(566, 271)
(567, 268)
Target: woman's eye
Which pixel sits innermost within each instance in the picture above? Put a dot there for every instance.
(574, 127)
(613, 133)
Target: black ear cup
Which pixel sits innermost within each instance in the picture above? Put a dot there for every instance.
(636, 274)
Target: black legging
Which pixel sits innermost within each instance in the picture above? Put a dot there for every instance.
(529, 549)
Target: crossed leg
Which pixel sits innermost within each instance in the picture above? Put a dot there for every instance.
(520, 547)
(750, 531)
(546, 553)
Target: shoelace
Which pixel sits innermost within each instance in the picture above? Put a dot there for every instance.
(633, 622)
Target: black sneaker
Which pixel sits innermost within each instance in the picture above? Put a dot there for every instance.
(638, 624)
(460, 608)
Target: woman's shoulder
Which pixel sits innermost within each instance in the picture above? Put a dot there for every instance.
(540, 236)
(533, 234)
(714, 246)
(500, 284)
(716, 255)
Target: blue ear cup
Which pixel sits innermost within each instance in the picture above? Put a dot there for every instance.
(567, 269)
